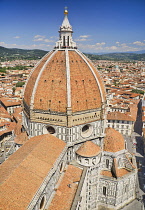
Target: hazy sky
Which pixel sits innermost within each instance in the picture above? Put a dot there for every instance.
(99, 26)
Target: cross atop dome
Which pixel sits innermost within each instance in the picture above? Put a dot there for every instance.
(65, 34)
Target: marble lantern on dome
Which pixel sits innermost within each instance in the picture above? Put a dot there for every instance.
(65, 34)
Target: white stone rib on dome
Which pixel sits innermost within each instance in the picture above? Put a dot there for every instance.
(36, 67)
(68, 80)
(37, 80)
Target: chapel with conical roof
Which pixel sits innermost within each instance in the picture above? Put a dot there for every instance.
(71, 160)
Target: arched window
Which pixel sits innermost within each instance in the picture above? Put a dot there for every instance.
(68, 41)
(107, 163)
(63, 41)
(126, 188)
(87, 161)
(104, 191)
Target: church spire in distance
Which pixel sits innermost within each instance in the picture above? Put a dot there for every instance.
(65, 34)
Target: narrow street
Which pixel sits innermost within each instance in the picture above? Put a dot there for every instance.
(135, 145)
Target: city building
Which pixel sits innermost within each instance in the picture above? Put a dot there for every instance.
(10, 104)
(122, 122)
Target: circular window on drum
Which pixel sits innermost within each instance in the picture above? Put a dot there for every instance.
(50, 130)
(86, 130)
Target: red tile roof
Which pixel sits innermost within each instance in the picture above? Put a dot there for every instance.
(88, 149)
(119, 116)
(21, 138)
(32, 79)
(106, 173)
(23, 172)
(66, 191)
(9, 102)
(119, 172)
(114, 141)
(53, 78)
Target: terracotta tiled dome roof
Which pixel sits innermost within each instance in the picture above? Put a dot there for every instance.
(64, 78)
(88, 149)
(114, 141)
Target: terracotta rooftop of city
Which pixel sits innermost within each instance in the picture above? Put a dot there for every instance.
(119, 116)
(10, 102)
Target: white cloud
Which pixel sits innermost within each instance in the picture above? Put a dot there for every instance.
(139, 43)
(103, 47)
(40, 38)
(94, 47)
(16, 37)
(111, 48)
(122, 48)
(48, 44)
(84, 36)
(33, 46)
(47, 40)
(124, 45)
(121, 45)
(54, 37)
(7, 45)
(81, 40)
(2, 43)
(100, 44)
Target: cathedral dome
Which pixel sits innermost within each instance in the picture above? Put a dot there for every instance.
(114, 141)
(64, 78)
(64, 89)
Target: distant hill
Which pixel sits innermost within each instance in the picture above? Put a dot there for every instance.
(102, 53)
(118, 57)
(14, 53)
